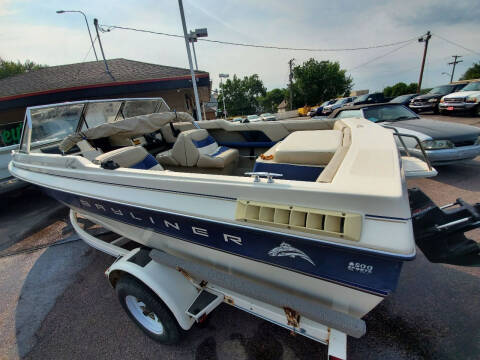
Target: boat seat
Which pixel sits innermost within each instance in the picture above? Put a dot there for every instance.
(196, 148)
(87, 150)
(134, 157)
(301, 156)
(314, 147)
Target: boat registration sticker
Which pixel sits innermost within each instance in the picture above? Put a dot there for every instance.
(361, 268)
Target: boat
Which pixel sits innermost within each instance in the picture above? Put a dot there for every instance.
(320, 210)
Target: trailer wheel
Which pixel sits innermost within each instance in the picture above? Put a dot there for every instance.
(148, 311)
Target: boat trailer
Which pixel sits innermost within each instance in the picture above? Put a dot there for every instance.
(165, 294)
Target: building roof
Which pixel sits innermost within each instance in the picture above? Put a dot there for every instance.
(89, 74)
(282, 105)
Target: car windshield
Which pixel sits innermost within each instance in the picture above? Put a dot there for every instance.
(388, 113)
(349, 114)
(473, 86)
(445, 89)
(325, 103)
(266, 114)
(341, 101)
(362, 97)
(252, 117)
(401, 98)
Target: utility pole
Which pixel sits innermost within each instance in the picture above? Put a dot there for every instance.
(192, 73)
(425, 38)
(290, 78)
(454, 63)
(95, 22)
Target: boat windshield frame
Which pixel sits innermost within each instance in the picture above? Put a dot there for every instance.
(25, 143)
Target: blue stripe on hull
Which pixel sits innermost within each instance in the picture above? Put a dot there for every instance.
(368, 272)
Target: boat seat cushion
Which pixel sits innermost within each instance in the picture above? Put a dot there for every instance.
(134, 157)
(309, 147)
(197, 148)
(87, 150)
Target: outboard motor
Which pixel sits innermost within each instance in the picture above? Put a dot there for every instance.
(439, 231)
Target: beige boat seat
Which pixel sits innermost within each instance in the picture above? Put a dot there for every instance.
(309, 147)
(196, 148)
(134, 157)
(301, 156)
(87, 150)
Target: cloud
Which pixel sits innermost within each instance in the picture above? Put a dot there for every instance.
(443, 13)
(5, 8)
(35, 32)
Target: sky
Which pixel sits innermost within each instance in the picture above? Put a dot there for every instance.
(32, 30)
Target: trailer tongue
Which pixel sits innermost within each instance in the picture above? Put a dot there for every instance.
(439, 231)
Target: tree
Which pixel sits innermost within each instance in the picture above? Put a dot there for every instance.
(473, 72)
(318, 81)
(400, 89)
(9, 68)
(272, 99)
(241, 95)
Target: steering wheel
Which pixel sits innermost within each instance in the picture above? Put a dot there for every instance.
(152, 138)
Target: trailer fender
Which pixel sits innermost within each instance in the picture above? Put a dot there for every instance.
(173, 288)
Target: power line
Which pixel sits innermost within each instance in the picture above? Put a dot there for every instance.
(382, 56)
(107, 28)
(90, 49)
(457, 44)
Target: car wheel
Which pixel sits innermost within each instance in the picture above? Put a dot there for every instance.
(436, 110)
(146, 309)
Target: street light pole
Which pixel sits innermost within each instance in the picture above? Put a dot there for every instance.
(193, 40)
(194, 82)
(86, 22)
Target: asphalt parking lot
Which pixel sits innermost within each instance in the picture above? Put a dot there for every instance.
(56, 303)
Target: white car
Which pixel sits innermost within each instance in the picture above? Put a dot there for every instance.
(465, 100)
(253, 118)
(268, 117)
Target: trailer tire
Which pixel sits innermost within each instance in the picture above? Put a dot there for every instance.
(148, 311)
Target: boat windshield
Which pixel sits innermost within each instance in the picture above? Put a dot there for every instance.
(54, 123)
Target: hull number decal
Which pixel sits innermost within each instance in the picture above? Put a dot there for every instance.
(361, 268)
(287, 250)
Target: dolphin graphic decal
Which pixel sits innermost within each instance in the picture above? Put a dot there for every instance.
(287, 250)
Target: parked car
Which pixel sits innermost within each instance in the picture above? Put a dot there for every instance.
(372, 98)
(430, 100)
(328, 109)
(252, 118)
(443, 142)
(268, 117)
(238, 119)
(404, 99)
(465, 100)
(317, 111)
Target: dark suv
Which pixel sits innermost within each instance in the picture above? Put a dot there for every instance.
(372, 98)
(430, 101)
